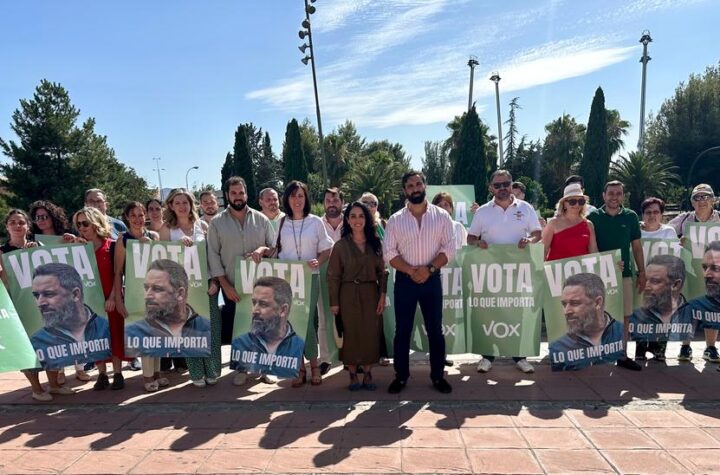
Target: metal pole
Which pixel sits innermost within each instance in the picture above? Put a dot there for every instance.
(317, 99)
(160, 187)
(496, 79)
(472, 62)
(645, 39)
(187, 187)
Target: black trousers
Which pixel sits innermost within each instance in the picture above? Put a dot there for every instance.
(408, 295)
(227, 314)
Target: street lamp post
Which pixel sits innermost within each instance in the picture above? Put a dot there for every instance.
(307, 32)
(187, 187)
(645, 39)
(157, 167)
(472, 62)
(496, 79)
(699, 156)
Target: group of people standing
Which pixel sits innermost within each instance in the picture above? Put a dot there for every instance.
(358, 246)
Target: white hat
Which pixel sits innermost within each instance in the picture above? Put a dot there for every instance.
(573, 189)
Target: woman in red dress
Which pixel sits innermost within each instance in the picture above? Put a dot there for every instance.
(569, 234)
(94, 228)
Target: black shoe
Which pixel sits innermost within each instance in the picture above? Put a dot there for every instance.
(102, 382)
(627, 363)
(88, 366)
(135, 365)
(118, 381)
(449, 363)
(396, 386)
(324, 368)
(443, 386)
(641, 349)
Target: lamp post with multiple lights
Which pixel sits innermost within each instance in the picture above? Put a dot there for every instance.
(496, 79)
(306, 32)
(472, 62)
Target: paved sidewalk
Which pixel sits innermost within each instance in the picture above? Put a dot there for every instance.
(602, 420)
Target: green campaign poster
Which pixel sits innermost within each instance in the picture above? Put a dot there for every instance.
(16, 351)
(58, 295)
(272, 316)
(166, 299)
(453, 314)
(463, 197)
(502, 290)
(324, 312)
(697, 237)
(588, 329)
(48, 239)
(660, 311)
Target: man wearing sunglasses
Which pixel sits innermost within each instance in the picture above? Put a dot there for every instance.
(617, 227)
(504, 220)
(95, 198)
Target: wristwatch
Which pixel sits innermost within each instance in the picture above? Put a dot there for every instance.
(432, 269)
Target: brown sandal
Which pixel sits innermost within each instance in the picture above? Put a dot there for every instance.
(316, 376)
(301, 379)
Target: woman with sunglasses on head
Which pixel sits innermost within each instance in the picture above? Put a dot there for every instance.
(183, 224)
(17, 223)
(154, 209)
(371, 202)
(569, 234)
(93, 228)
(134, 218)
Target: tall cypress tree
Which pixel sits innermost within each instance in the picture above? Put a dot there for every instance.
(293, 157)
(469, 159)
(227, 170)
(595, 162)
(243, 163)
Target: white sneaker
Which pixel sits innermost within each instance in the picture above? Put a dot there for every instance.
(199, 383)
(240, 379)
(524, 366)
(43, 397)
(484, 365)
(211, 381)
(61, 390)
(268, 379)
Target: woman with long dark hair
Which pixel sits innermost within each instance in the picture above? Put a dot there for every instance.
(357, 282)
(48, 219)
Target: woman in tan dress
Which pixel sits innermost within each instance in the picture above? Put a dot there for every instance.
(357, 281)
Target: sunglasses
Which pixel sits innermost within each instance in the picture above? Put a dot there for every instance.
(41, 217)
(83, 224)
(702, 197)
(575, 201)
(372, 204)
(502, 184)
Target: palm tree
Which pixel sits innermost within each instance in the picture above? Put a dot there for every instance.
(377, 173)
(644, 176)
(617, 129)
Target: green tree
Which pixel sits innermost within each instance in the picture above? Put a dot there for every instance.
(512, 133)
(228, 169)
(378, 173)
(435, 164)
(469, 157)
(687, 124)
(617, 129)
(562, 150)
(395, 150)
(490, 141)
(293, 158)
(596, 157)
(644, 176)
(244, 163)
(268, 169)
(533, 192)
(55, 159)
(311, 146)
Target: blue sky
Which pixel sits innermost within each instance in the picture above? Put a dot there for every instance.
(173, 79)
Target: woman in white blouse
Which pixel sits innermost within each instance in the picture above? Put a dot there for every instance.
(302, 236)
(445, 201)
(652, 226)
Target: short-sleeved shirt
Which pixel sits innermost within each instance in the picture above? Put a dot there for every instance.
(679, 223)
(228, 238)
(617, 232)
(117, 227)
(275, 222)
(303, 239)
(495, 225)
(665, 232)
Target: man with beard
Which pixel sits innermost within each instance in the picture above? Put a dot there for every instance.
(664, 314)
(270, 206)
(209, 206)
(706, 309)
(275, 347)
(504, 220)
(171, 327)
(419, 240)
(617, 227)
(239, 231)
(72, 332)
(593, 336)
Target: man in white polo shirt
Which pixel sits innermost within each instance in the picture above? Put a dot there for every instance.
(504, 220)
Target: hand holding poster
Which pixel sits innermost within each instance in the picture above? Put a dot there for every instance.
(56, 290)
(16, 351)
(166, 299)
(272, 314)
(584, 310)
(501, 284)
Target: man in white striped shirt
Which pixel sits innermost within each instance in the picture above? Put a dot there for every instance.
(419, 240)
